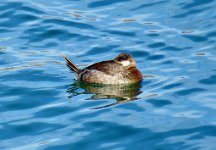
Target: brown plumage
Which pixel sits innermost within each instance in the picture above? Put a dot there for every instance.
(121, 70)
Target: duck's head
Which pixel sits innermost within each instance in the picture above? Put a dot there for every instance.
(125, 60)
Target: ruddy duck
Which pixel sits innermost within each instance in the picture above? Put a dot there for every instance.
(121, 70)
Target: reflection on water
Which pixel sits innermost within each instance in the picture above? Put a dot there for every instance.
(121, 93)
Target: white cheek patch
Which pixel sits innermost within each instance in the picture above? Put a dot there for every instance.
(125, 63)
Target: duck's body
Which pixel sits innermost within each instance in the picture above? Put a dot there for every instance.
(121, 70)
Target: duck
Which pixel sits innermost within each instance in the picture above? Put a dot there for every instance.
(121, 70)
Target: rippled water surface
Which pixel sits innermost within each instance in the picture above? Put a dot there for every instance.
(43, 107)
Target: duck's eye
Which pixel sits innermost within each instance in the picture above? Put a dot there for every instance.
(125, 62)
(121, 59)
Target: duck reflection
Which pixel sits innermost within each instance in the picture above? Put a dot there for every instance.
(121, 93)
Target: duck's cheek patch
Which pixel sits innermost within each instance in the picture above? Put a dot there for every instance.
(125, 63)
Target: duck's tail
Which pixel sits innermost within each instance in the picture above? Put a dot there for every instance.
(71, 65)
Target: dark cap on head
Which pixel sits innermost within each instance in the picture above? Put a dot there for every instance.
(123, 57)
(126, 60)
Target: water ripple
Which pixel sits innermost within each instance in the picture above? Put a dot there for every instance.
(68, 23)
(209, 81)
(148, 5)
(103, 3)
(197, 3)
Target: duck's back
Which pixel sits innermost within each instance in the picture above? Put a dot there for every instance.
(109, 72)
(108, 67)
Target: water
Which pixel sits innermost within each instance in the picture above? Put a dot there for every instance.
(43, 107)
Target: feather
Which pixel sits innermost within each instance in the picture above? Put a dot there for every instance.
(71, 65)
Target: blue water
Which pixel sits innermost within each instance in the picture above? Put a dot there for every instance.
(42, 106)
